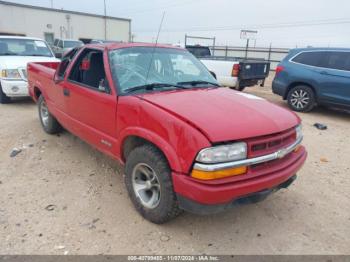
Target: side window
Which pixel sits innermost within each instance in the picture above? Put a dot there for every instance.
(311, 58)
(338, 60)
(89, 71)
(65, 62)
(60, 44)
(56, 42)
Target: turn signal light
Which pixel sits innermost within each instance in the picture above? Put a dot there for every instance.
(204, 175)
(297, 148)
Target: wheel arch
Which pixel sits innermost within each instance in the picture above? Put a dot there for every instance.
(138, 137)
(299, 83)
(36, 93)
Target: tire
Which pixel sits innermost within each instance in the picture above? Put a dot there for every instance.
(238, 88)
(147, 172)
(48, 121)
(4, 99)
(301, 99)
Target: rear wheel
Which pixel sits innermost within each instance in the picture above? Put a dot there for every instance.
(48, 121)
(149, 184)
(4, 99)
(301, 99)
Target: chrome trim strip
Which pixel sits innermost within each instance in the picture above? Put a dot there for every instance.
(248, 162)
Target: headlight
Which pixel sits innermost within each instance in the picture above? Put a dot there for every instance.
(224, 153)
(10, 74)
(299, 132)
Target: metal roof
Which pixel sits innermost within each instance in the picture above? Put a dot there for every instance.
(63, 11)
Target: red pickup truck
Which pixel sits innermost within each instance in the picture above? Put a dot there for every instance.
(185, 143)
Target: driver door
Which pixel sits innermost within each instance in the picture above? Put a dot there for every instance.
(92, 104)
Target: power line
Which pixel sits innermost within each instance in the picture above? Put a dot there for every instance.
(263, 26)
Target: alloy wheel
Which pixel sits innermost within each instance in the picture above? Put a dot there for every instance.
(146, 185)
(300, 99)
(44, 113)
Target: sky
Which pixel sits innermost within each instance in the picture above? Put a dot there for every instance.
(281, 23)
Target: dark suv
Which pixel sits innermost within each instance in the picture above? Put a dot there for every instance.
(314, 76)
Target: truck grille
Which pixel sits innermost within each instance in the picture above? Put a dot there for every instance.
(270, 144)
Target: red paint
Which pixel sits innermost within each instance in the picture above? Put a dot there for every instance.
(180, 123)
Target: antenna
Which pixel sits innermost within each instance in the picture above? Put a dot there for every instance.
(154, 48)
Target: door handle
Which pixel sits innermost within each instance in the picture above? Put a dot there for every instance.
(323, 73)
(66, 92)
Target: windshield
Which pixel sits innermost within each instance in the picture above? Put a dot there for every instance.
(72, 44)
(24, 47)
(166, 67)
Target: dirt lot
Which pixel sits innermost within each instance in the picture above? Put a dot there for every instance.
(60, 196)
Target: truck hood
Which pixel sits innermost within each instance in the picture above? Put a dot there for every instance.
(224, 115)
(14, 62)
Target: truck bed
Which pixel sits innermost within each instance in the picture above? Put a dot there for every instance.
(40, 73)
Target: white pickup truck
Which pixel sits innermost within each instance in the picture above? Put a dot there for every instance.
(15, 53)
(232, 72)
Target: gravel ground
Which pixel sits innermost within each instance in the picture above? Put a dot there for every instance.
(61, 196)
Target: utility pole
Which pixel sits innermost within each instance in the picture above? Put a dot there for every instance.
(105, 12)
(246, 49)
(51, 3)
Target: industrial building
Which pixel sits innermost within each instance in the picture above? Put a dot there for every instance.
(49, 24)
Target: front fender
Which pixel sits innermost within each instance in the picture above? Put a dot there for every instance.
(155, 139)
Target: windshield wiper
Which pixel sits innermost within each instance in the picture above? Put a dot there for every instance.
(151, 87)
(197, 82)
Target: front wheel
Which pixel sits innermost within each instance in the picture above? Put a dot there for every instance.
(149, 184)
(48, 121)
(301, 99)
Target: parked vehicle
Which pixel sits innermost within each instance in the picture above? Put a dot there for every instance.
(314, 76)
(62, 46)
(15, 53)
(232, 72)
(186, 143)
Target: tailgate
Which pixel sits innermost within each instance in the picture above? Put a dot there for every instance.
(254, 70)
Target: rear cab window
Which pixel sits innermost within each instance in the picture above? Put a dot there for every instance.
(199, 51)
(66, 61)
